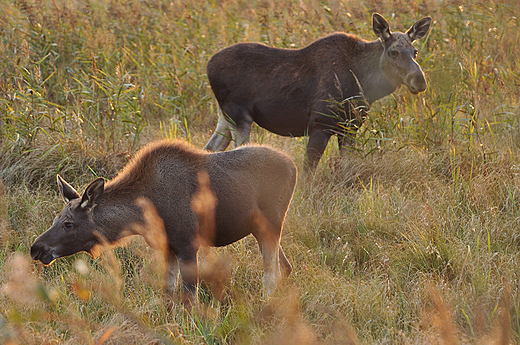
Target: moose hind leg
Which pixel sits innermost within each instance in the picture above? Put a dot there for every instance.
(268, 237)
(243, 131)
(285, 265)
(221, 138)
(271, 263)
(239, 121)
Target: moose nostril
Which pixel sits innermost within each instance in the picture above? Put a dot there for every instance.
(422, 86)
(37, 250)
(34, 253)
(417, 84)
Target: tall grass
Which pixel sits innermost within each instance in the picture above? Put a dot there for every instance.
(411, 238)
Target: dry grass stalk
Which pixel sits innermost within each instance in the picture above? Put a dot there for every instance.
(441, 320)
(203, 204)
(501, 333)
(292, 328)
(214, 269)
(4, 218)
(153, 228)
(21, 284)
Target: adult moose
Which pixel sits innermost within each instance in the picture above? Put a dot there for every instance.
(289, 92)
(253, 187)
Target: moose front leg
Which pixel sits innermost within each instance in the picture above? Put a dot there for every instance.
(190, 277)
(171, 279)
(318, 140)
(172, 274)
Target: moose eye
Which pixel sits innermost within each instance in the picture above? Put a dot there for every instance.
(415, 54)
(393, 53)
(68, 225)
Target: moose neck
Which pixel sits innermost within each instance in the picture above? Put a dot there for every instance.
(116, 215)
(372, 79)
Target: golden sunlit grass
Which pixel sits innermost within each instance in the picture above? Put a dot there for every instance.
(412, 238)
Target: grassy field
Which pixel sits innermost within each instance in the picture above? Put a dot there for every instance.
(413, 238)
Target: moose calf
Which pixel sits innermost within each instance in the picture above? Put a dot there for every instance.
(252, 185)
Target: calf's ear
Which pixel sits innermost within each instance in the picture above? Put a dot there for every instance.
(68, 193)
(380, 27)
(419, 29)
(93, 193)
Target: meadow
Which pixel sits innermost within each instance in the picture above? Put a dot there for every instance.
(413, 237)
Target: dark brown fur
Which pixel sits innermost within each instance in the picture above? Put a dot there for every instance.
(295, 92)
(250, 183)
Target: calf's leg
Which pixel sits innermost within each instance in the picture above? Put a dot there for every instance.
(268, 237)
(190, 278)
(172, 274)
(271, 263)
(285, 265)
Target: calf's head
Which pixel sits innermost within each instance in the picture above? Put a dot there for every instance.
(398, 58)
(73, 229)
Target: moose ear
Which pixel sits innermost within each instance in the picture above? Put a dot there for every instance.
(93, 193)
(68, 193)
(380, 27)
(419, 29)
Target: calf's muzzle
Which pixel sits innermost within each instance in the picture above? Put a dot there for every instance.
(43, 252)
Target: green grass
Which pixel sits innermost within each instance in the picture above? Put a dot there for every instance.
(411, 238)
